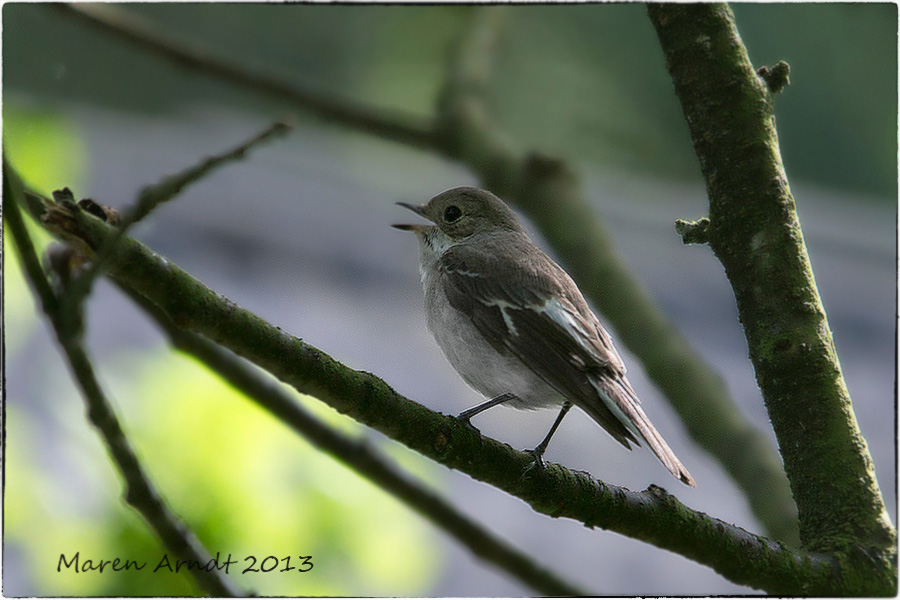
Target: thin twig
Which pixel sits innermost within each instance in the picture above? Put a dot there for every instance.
(139, 491)
(402, 128)
(155, 195)
(547, 190)
(652, 516)
(13, 194)
(362, 458)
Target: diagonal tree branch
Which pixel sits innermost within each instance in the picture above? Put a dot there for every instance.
(355, 453)
(754, 231)
(139, 491)
(548, 191)
(149, 199)
(362, 458)
(395, 126)
(653, 516)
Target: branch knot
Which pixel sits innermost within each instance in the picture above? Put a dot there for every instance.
(693, 232)
(777, 77)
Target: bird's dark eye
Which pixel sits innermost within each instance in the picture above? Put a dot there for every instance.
(452, 213)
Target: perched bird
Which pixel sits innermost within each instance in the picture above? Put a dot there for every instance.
(516, 327)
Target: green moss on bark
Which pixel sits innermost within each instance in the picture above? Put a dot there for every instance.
(652, 516)
(756, 235)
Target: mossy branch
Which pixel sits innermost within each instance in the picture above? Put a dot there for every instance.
(152, 197)
(548, 191)
(364, 459)
(140, 492)
(755, 233)
(693, 232)
(653, 516)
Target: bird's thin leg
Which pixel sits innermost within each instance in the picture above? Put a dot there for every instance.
(539, 450)
(471, 412)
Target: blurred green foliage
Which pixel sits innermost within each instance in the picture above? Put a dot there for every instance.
(837, 121)
(19, 316)
(584, 80)
(243, 482)
(45, 148)
(587, 80)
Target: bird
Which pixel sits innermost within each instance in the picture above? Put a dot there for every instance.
(515, 326)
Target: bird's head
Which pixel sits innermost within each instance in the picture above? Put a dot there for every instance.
(462, 212)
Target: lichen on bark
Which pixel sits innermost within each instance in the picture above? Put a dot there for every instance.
(755, 233)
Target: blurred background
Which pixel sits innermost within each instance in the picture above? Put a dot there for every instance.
(299, 232)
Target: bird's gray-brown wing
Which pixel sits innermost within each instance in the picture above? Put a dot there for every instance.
(531, 309)
(523, 312)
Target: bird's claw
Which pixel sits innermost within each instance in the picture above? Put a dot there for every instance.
(467, 422)
(537, 467)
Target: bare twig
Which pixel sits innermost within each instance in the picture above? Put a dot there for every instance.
(153, 196)
(362, 458)
(139, 491)
(395, 126)
(547, 190)
(13, 194)
(652, 516)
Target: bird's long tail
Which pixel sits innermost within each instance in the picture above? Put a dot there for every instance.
(620, 398)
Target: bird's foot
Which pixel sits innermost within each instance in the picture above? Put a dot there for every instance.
(466, 415)
(537, 467)
(467, 421)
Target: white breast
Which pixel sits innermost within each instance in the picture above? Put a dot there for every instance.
(478, 363)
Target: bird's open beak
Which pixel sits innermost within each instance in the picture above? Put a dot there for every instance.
(419, 210)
